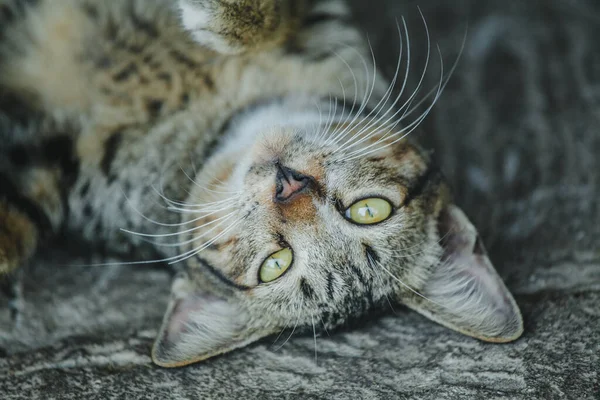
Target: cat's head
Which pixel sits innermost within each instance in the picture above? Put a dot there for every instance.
(311, 228)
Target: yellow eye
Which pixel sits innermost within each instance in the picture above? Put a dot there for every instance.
(276, 265)
(369, 211)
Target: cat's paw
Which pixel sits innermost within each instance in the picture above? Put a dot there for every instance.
(235, 26)
(11, 294)
(18, 238)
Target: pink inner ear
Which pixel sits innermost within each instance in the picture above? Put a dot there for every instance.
(465, 291)
(478, 270)
(464, 249)
(180, 316)
(465, 254)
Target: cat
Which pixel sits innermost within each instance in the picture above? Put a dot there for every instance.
(253, 144)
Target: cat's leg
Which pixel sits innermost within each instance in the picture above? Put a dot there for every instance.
(11, 291)
(237, 26)
(18, 237)
(33, 181)
(30, 197)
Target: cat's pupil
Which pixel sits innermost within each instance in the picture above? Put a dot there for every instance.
(366, 210)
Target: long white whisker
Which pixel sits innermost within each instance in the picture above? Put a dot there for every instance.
(387, 95)
(401, 253)
(167, 225)
(407, 104)
(320, 132)
(210, 203)
(315, 336)
(193, 238)
(447, 79)
(183, 204)
(205, 188)
(294, 329)
(170, 260)
(333, 114)
(196, 251)
(204, 211)
(355, 81)
(323, 323)
(278, 336)
(368, 91)
(148, 235)
(405, 131)
(438, 90)
(404, 284)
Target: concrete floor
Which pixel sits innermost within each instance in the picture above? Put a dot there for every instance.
(517, 132)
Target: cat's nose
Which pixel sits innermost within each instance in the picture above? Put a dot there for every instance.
(290, 183)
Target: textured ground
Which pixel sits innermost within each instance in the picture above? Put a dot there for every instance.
(517, 132)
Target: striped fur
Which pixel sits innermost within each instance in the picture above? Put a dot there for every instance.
(156, 127)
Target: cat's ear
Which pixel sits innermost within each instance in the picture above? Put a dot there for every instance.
(464, 292)
(198, 326)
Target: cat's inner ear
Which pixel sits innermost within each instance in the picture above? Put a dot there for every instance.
(198, 325)
(464, 292)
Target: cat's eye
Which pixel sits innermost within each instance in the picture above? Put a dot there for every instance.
(369, 211)
(276, 265)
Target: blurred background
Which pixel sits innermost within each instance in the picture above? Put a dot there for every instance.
(516, 131)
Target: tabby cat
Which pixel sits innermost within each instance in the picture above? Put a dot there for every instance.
(250, 142)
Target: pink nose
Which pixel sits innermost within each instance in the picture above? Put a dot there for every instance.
(289, 184)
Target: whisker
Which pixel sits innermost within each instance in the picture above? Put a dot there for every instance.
(293, 329)
(333, 114)
(278, 336)
(387, 298)
(404, 132)
(404, 284)
(323, 323)
(388, 93)
(198, 250)
(168, 225)
(204, 211)
(369, 87)
(403, 250)
(194, 238)
(329, 114)
(315, 336)
(319, 131)
(440, 88)
(149, 235)
(205, 188)
(184, 204)
(407, 104)
(368, 91)
(169, 260)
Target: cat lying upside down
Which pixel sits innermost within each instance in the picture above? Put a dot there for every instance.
(250, 142)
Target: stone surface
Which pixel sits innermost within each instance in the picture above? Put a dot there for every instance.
(517, 132)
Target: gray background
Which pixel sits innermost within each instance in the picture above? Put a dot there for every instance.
(517, 132)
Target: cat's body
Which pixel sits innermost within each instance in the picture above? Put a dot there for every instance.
(114, 119)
